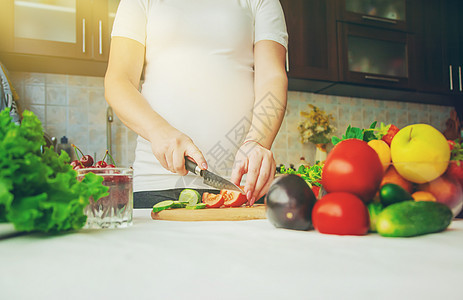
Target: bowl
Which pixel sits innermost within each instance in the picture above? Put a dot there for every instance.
(116, 209)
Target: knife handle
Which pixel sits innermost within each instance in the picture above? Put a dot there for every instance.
(192, 166)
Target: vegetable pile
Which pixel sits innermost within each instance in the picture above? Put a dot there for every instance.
(39, 190)
(397, 182)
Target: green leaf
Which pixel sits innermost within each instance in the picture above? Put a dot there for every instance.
(335, 140)
(40, 192)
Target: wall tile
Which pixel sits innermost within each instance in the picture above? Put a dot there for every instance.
(78, 96)
(74, 80)
(34, 78)
(56, 79)
(56, 95)
(56, 115)
(78, 115)
(97, 107)
(95, 81)
(34, 94)
(39, 111)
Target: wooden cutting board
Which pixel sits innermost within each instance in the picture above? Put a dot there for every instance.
(212, 214)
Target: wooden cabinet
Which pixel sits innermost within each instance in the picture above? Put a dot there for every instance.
(439, 35)
(375, 56)
(312, 39)
(389, 14)
(61, 36)
(453, 46)
(350, 41)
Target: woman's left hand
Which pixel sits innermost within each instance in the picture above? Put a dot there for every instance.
(259, 165)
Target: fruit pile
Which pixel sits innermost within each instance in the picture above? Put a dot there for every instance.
(396, 182)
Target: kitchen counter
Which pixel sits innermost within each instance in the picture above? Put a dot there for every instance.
(229, 260)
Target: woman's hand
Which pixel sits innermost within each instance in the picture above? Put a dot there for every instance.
(170, 146)
(259, 165)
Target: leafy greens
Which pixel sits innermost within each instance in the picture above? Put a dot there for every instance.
(357, 133)
(39, 190)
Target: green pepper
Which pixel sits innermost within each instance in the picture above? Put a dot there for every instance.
(391, 193)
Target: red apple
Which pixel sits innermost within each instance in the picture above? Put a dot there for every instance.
(447, 190)
(455, 170)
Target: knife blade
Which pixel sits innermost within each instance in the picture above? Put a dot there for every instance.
(210, 178)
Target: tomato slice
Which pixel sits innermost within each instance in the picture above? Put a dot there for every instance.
(233, 198)
(213, 200)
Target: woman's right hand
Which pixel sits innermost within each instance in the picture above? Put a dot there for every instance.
(170, 147)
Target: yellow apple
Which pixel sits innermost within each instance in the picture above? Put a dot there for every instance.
(420, 153)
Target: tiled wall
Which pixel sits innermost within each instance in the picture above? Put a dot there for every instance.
(346, 110)
(75, 106)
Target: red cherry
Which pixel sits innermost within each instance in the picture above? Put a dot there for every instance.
(110, 166)
(75, 163)
(101, 164)
(87, 160)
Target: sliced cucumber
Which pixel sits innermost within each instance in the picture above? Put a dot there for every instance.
(196, 206)
(178, 204)
(189, 196)
(163, 205)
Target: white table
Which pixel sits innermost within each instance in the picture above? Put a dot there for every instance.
(229, 260)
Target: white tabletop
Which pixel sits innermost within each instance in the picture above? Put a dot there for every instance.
(229, 260)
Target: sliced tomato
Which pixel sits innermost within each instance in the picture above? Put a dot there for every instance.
(233, 198)
(213, 200)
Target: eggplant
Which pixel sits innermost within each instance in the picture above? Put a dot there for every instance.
(289, 203)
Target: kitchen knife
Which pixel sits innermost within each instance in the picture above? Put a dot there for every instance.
(210, 178)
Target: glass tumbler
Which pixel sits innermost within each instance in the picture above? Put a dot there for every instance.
(116, 209)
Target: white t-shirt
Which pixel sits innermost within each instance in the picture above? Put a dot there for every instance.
(199, 74)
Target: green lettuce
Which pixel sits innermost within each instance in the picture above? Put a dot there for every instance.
(39, 190)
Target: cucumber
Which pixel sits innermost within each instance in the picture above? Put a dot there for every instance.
(162, 205)
(410, 218)
(374, 209)
(391, 193)
(196, 206)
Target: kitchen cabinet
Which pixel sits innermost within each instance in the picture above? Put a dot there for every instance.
(440, 47)
(350, 41)
(56, 36)
(453, 46)
(375, 56)
(399, 50)
(389, 14)
(312, 39)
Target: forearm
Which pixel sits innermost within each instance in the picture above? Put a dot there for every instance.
(269, 108)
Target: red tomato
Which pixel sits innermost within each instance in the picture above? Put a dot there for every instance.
(316, 190)
(233, 198)
(353, 167)
(212, 200)
(342, 214)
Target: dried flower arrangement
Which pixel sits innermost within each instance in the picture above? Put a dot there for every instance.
(316, 128)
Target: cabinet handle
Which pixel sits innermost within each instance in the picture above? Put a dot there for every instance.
(83, 35)
(451, 77)
(369, 77)
(100, 36)
(376, 19)
(459, 77)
